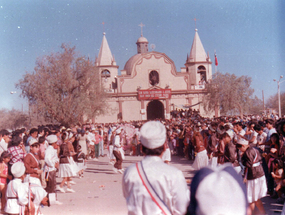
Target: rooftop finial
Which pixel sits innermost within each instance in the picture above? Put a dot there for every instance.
(195, 20)
(103, 23)
(141, 25)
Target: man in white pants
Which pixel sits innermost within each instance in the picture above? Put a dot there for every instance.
(101, 142)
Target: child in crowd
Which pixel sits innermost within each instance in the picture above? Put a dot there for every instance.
(43, 146)
(32, 163)
(16, 194)
(4, 159)
(81, 162)
(277, 175)
(52, 163)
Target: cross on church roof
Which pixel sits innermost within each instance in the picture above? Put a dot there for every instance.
(103, 23)
(195, 20)
(141, 25)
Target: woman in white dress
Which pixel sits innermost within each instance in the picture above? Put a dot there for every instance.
(82, 137)
(166, 156)
(112, 158)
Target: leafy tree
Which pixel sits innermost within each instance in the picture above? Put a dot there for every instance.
(64, 87)
(230, 93)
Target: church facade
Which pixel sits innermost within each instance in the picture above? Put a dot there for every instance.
(149, 86)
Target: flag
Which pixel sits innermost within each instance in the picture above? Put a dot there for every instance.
(216, 60)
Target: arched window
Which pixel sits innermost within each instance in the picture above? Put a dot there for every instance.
(105, 74)
(203, 77)
(201, 69)
(153, 78)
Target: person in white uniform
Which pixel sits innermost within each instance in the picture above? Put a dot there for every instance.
(16, 194)
(151, 186)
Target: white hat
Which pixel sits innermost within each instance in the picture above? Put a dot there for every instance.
(32, 141)
(153, 134)
(118, 131)
(242, 141)
(230, 125)
(51, 139)
(18, 169)
(230, 132)
(218, 191)
(93, 129)
(62, 128)
(70, 135)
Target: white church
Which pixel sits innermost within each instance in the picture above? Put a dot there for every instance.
(149, 86)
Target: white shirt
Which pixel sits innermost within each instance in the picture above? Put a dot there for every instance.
(270, 132)
(168, 182)
(3, 146)
(117, 142)
(50, 158)
(91, 138)
(251, 135)
(38, 192)
(13, 206)
(261, 137)
(240, 133)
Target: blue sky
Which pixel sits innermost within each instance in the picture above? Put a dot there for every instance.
(247, 35)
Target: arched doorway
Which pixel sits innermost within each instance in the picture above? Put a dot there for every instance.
(155, 110)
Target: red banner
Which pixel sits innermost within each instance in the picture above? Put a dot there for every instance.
(154, 94)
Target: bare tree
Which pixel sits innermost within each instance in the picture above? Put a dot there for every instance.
(64, 87)
(272, 102)
(229, 92)
(13, 119)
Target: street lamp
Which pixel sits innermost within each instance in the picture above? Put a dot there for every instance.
(279, 102)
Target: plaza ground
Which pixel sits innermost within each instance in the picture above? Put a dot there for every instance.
(99, 192)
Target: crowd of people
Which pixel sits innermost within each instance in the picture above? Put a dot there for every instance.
(31, 161)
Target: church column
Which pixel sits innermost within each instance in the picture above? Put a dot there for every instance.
(189, 100)
(120, 114)
(143, 111)
(167, 115)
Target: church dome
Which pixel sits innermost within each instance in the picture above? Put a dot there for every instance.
(130, 63)
(142, 40)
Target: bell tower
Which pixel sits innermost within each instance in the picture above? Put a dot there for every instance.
(198, 63)
(106, 65)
